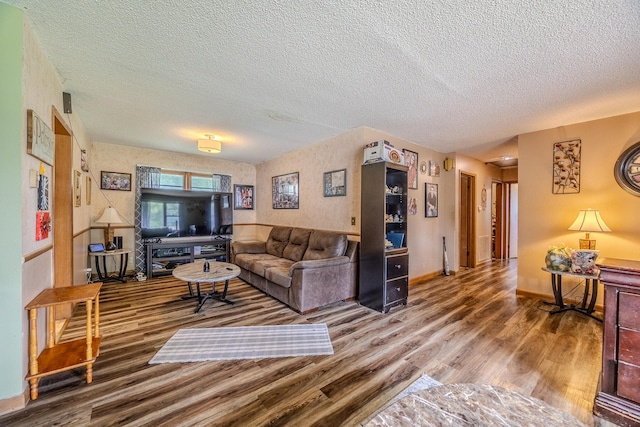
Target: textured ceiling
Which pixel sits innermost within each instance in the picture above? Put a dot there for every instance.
(271, 76)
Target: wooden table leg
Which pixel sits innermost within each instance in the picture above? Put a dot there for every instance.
(33, 352)
(89, 342)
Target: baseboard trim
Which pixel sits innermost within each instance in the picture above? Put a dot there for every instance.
(549, 297)
(428, 276)
(14, 403)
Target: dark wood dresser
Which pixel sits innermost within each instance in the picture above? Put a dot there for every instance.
(618, 398)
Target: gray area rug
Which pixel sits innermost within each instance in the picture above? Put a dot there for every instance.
(245, 342)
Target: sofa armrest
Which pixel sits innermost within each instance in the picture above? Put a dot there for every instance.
(318, 263)
(249, 247)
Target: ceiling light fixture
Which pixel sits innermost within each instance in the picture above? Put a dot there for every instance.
(209, 144)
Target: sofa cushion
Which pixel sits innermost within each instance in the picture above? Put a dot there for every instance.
(279, 275)
(277, 241)
(256, 263)
(325, 244)
(298, 242)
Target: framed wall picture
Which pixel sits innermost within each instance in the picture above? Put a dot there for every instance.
(242, 196)
(40, 141)
(430, 200)
(115, 181)
(88, 190)
(434, 168)
(566, 167)
(285, 191)
(43, 193)
(411, 160)
(84, 163)
(335, 183)
(77, 187)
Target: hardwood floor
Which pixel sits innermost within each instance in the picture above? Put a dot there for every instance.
(466, 328)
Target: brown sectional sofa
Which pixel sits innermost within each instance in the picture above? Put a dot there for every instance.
(303, 268)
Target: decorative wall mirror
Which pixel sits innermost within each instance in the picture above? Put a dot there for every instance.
(627, 169)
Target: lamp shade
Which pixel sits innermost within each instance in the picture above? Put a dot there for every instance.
(589, 220)
(109, 216)
(209, 145)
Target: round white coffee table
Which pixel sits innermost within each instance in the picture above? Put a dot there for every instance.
(218, 271)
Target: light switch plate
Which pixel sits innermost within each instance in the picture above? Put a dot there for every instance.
(33, 178)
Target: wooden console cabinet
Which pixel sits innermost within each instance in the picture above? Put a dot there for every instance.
(618, 399)
(67, 355)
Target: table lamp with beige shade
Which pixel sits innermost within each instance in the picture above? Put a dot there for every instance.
(109, 216)
(589, 220)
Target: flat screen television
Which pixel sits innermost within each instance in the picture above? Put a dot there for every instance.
(178, 213)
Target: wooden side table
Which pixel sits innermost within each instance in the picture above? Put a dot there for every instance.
(61, 357)
(590, 281)
(103, 276)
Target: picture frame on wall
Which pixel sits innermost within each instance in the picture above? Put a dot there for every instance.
(242, 197)
(88, 190)
(335, 183)
(40, 140)
(84, 163)
(77, 187)
(115, 181)
(430, 200)
(285, 191)
(411, 160)
(566, 167)
(434, 168)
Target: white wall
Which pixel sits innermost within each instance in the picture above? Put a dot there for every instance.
(513, 220)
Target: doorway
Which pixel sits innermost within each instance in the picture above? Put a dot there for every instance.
(467, 242)
(62, 210)
(504, 220)
(497, 220)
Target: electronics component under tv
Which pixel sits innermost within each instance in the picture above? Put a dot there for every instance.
(179, 213)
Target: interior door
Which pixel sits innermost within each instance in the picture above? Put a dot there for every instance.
(497, 219)
(467, 221)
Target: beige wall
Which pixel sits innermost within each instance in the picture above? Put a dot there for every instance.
(484, 176)
(334, 213)
(544, 217)
(120, 158)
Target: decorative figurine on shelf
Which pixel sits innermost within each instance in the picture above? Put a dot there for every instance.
(206, 267)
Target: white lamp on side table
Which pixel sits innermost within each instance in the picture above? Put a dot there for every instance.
(589, 220)
(109, 216)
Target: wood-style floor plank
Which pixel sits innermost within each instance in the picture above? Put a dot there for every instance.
(470, 327)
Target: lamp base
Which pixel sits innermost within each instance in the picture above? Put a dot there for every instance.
(108, 239)
(587, 244)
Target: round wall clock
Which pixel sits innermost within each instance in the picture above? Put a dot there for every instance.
(627, 169)
(423, 167)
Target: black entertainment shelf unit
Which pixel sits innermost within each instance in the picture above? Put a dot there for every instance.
(163, 255)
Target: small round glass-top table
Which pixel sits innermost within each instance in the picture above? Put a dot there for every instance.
(218, 271)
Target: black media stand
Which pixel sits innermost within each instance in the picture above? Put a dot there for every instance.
(163, 255)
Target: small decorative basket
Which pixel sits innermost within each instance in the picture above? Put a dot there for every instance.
(583, 261)
(558, 258)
